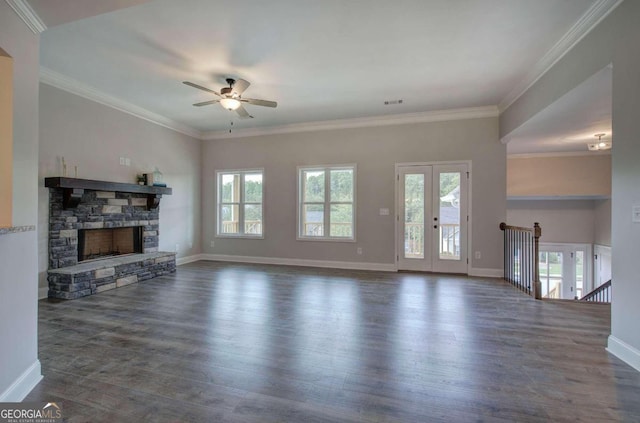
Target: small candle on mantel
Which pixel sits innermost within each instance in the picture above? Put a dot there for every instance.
(76, 171)
(64, 168)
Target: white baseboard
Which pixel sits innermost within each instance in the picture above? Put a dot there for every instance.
(486, 273)
(43, 293)
(188, 259)
(624, 352)
(21, 387)
(349, 265)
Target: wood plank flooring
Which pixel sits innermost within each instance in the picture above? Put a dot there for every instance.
(222, 342)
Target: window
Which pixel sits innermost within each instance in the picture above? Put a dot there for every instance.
(326, 208)
(240, 203)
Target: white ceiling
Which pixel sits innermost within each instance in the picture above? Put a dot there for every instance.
(568, 124)
(320, 60)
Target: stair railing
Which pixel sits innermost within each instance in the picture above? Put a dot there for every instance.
(602, 294)
(521, 257)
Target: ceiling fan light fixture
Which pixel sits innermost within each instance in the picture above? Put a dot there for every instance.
(230, 103)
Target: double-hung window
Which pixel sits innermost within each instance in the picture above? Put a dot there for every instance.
(326, 206)
(240, 207)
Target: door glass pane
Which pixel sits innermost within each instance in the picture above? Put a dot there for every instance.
(313, 181)
(253, 188)
(449, 215)
(229, 221)
(580, 274)
(341, 219)
(313, 220)
(414, 215)
(253, 219)
(230, 188)
(551, 274)
(341, 185)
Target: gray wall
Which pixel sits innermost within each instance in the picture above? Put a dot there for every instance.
(375, 151)
(614, 40)
(18, 252)
(602, 235)
(94, 137)
(570, 221)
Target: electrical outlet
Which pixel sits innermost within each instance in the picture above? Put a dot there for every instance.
(121, 161)
(478, 255)
(213, 244)
(127, 161)
(359, 250)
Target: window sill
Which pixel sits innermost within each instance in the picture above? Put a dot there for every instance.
(323, 239)
(231, 236)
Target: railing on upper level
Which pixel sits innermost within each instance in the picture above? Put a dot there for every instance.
(601, 294)
(521, 257)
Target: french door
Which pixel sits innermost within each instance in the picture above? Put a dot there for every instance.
(432, 217)
(564, 270)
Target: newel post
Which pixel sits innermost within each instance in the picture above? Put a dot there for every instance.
(537, 286)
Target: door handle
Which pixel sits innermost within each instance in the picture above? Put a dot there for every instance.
(435, 226)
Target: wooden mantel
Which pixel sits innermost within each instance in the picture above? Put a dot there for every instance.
(73, 188)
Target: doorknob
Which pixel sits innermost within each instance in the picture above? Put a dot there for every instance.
(435, 226)
(435, 219)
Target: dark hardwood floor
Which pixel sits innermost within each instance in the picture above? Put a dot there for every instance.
(222, 342)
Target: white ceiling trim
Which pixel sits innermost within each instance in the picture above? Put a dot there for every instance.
(55, 79)
(591, 18)
(373, 121)
(58, 80)
(559, 154)
(556, 197)
(28, 15)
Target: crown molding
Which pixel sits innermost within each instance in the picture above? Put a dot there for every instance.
(587, 22)
(559, 154)
(28, 15)
(373, 121)
(65, 83)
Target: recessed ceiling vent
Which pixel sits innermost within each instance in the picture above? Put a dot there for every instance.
(392, 102)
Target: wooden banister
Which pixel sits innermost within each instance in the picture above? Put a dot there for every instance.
(601, 294)
(521, 257)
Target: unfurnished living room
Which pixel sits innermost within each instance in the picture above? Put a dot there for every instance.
(319, 211)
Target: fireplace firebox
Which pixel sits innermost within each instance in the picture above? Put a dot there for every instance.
(107, 242)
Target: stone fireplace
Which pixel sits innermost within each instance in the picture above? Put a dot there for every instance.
(101, 239)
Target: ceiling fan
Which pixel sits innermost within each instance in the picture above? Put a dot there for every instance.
(231, 97)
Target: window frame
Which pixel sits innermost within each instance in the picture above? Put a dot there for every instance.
(241, 203)
(327, 202)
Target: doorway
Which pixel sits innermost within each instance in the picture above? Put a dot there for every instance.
(432, 218)
(564, 270)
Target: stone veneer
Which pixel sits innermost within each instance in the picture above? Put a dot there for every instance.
(99, 209)
(95, 276)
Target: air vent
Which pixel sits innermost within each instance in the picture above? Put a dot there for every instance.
(392, 102)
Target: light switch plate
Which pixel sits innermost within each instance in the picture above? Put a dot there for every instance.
(635, 213)
(384, 212)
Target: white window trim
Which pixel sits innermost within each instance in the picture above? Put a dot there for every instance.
(350, 166)
(219, 173)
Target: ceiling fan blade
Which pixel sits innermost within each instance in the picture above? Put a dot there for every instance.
(240, 86)
(265, 103)
(206, 103)
(242, 112)
(200, 87)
